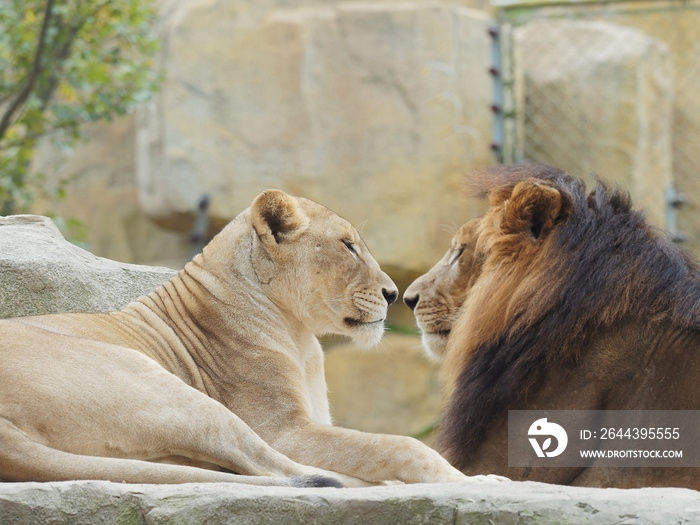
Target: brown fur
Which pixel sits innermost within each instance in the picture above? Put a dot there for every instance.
(579, 304)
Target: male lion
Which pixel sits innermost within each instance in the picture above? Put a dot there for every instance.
(216, 372)
(561, 301)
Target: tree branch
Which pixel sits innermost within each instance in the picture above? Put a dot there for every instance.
(26, 91)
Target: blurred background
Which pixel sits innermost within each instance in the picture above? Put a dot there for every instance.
(143, 127)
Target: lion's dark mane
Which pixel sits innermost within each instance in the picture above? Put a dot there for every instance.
(615, 265)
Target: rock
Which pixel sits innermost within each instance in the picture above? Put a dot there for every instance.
(600, 101)
(679, 30)
(101, 193)
(391, 389)
(374, 109)
(41, 272)
(473, 501)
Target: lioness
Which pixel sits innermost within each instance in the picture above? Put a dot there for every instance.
(216, 372)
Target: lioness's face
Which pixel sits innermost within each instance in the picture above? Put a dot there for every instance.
(437, 296)
(353, 292)
(322, 272)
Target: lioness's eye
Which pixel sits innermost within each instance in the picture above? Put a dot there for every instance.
(351, 247)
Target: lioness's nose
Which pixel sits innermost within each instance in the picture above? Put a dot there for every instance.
(411, 301)
(390, 296)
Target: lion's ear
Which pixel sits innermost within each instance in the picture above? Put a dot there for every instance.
(277, 217)
(532, 207)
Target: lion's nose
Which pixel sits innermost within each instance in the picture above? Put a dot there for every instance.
(390, 296)
(412, 301)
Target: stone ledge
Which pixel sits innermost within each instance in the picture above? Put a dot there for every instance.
(41, 272)
(89, 502)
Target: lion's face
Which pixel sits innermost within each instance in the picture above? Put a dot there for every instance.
(437, 296)
(318, 270)
(486, 275)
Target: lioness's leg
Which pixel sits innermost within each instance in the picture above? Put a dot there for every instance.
(106, 401)
(372, 457)
(23, 459)
(213, 434)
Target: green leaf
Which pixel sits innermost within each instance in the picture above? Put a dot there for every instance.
(98, 62)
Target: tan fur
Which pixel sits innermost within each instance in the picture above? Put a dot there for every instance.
(219, 368)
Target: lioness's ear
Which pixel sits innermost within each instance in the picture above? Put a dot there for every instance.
(532, 207)
(277, 217)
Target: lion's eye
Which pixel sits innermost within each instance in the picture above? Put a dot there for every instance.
(352, 248)
(457, 255)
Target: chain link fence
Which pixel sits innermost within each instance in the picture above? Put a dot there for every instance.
(609, 89)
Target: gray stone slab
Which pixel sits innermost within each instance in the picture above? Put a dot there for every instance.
(41, 272)
(472, 502)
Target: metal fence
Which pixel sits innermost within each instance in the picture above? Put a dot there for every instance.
(607, 88)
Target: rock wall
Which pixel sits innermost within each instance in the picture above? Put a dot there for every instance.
(373, 109)
(597, 99)
(103, 196)
(679, 30)
(471, 502)
(376, 109)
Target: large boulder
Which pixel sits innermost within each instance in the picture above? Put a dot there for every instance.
(41, 272)
(90, 502)
(679, 30)
(101, 194)
(375, 109)
(597, 98)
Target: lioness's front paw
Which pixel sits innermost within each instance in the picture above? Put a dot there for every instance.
(445, 473)
(489, 478)
(454, 477)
